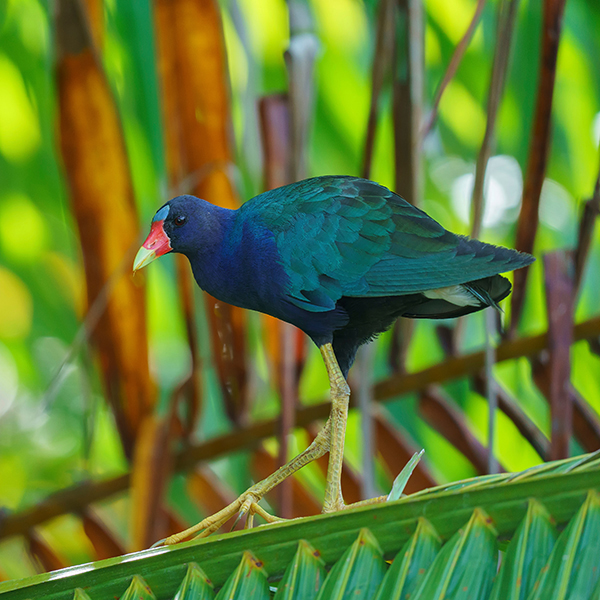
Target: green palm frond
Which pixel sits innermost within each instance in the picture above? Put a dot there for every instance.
(542, 525)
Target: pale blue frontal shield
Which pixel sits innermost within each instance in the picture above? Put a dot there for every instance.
(162, 214)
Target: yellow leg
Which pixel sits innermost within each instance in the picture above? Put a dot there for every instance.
(340, 397)
(330, 439)
(247, 503)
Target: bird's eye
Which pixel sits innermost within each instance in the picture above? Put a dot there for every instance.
(180, 220)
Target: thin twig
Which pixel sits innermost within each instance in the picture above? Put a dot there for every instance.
(364, 397)
(453, 65)
(506, 26)
(492, 398)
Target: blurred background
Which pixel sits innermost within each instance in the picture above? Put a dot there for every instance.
(130, 407)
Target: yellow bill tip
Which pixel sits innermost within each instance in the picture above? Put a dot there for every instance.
(142, 258)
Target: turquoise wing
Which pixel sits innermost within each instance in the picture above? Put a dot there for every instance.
(343, 236)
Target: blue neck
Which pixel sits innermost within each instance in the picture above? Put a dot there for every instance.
(235, 259)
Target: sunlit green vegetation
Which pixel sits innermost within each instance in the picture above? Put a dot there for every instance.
(56, 428)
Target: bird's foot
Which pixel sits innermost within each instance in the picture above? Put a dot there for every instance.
(246, 505)
(367, 502)
(340, 505)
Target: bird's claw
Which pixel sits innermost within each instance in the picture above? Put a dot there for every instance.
(245, 505)
(250, 507)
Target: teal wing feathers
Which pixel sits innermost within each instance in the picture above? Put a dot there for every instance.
(343, 236)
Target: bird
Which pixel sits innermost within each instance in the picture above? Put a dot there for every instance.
(341, 258)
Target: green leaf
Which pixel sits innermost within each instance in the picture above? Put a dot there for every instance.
(573, 568)
(411, 563)
(249, 580)
(403, 477)
(80, 595)
(304, 575)
(466, 565)
(357, 573)
(392, 523)
(195, 585)
(138, 590)
(526, 555)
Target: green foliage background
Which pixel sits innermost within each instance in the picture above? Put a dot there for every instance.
(49, 440)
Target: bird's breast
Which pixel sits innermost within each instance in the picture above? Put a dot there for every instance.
(245, 270)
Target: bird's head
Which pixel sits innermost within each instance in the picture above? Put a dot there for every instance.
(172, 230)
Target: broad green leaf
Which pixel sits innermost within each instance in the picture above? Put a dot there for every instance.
(526, 555)
(138, 590)
(411, 563)
(304, 575)
(403, 477)
(573, 568)
(596, 593)
(392, 523)
(358, 573)
(466, 565)
(249, 580)
(195, 585)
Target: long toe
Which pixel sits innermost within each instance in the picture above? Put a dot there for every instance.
(245, 506)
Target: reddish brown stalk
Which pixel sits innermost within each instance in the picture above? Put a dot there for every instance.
(512, 409)
(92, 146)
(164, 16)
(382, 62)
(275, 129)
(300, 59)
(586, 424)
(408, 83)
(152, 466)
(283, 338)
(507, 12)
(556, 364)
(450, 422)
(45, 558)
(409, 78)
(506, 25)
(196, 101)
(104, 542)
(538, 151)
(395, 451)
(591, 210)
(382, 58)
(470, 364)
(95, 15)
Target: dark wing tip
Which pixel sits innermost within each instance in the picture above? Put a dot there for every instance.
(507, 258)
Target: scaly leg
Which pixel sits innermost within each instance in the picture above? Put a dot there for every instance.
(247, 503)
(330, 439)
(340, 397)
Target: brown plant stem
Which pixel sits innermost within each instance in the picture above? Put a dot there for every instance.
(538, 152)
(591, 210)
